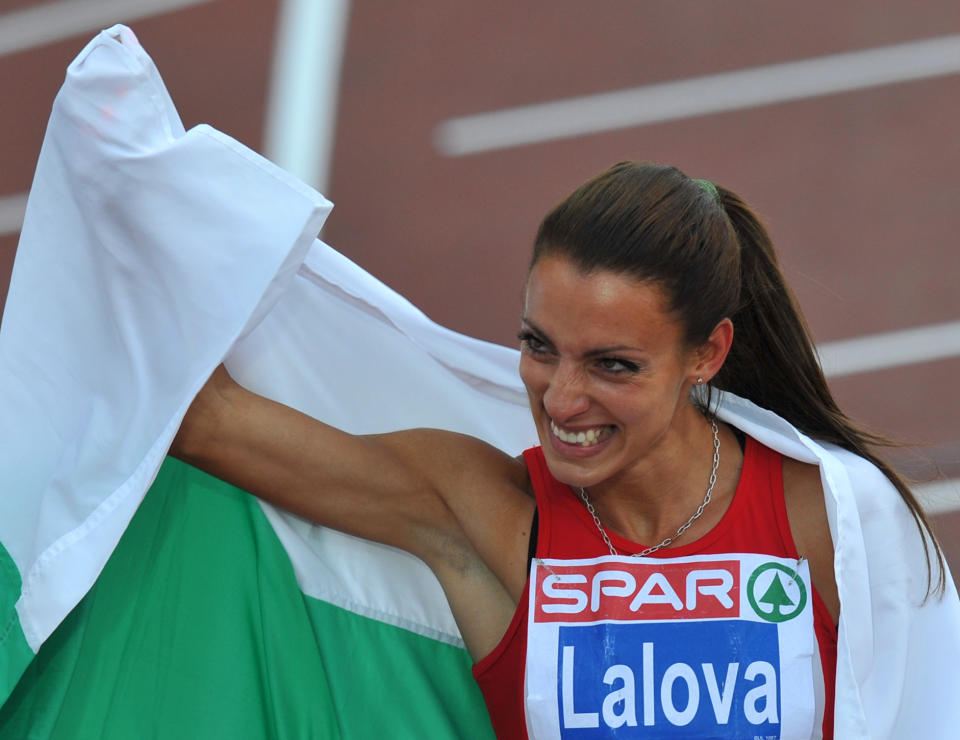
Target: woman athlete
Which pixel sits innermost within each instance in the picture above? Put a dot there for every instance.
(649, 567)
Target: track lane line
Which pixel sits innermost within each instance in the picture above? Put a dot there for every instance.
(11, 213)
(304, 90)
(38, 25)
(697, 96)
(939, 497)
(890, 349)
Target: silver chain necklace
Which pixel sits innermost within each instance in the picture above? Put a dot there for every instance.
(683, 527)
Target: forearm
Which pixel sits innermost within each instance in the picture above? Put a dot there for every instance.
(361, 485)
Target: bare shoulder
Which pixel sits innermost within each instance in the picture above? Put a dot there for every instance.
(486, 493)
(807, 513)
(472, 476)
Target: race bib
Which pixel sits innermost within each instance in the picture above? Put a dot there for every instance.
(711, 646)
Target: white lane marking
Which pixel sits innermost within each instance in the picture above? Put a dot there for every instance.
(304, 87)
(37, 25)
(891, 349)
(698, 96)
(939, 497)
(11, 213)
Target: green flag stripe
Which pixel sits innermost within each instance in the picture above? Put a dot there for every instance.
(196, 629)
(15, 653)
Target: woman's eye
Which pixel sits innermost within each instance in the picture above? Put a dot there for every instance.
(532, 343)
(617, 366)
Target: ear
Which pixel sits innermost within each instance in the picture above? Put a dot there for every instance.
(708, 358)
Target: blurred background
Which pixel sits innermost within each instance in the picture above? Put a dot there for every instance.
(444, 131)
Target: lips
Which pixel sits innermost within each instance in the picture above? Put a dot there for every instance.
(582, 437)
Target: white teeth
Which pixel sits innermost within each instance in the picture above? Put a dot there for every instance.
(584, 439)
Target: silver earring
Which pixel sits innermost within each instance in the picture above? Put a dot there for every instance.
(699, 381)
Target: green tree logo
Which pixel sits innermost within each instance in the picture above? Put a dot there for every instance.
(774, 603)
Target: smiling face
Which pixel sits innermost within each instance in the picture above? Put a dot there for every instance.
(607, 371)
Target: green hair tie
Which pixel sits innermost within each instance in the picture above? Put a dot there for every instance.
(710, 188)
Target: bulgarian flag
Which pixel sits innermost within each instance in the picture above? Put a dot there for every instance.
(139, 597)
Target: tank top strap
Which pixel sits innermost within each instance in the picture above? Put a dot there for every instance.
(761, 507)
(547, 490)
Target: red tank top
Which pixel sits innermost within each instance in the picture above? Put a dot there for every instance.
(756, 522)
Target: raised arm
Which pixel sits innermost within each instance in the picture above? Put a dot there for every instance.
(395, 488)
(454, 501)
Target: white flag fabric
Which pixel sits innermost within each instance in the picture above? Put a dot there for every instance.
(103, 345)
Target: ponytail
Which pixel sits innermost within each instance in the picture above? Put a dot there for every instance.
(772, 362)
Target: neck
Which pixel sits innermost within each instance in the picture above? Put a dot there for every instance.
(650, 501)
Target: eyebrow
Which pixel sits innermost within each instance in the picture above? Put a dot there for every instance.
(613, 349)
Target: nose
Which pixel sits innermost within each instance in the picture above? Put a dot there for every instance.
(566, 393)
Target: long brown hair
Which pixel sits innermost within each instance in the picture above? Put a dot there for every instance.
(714, 259)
